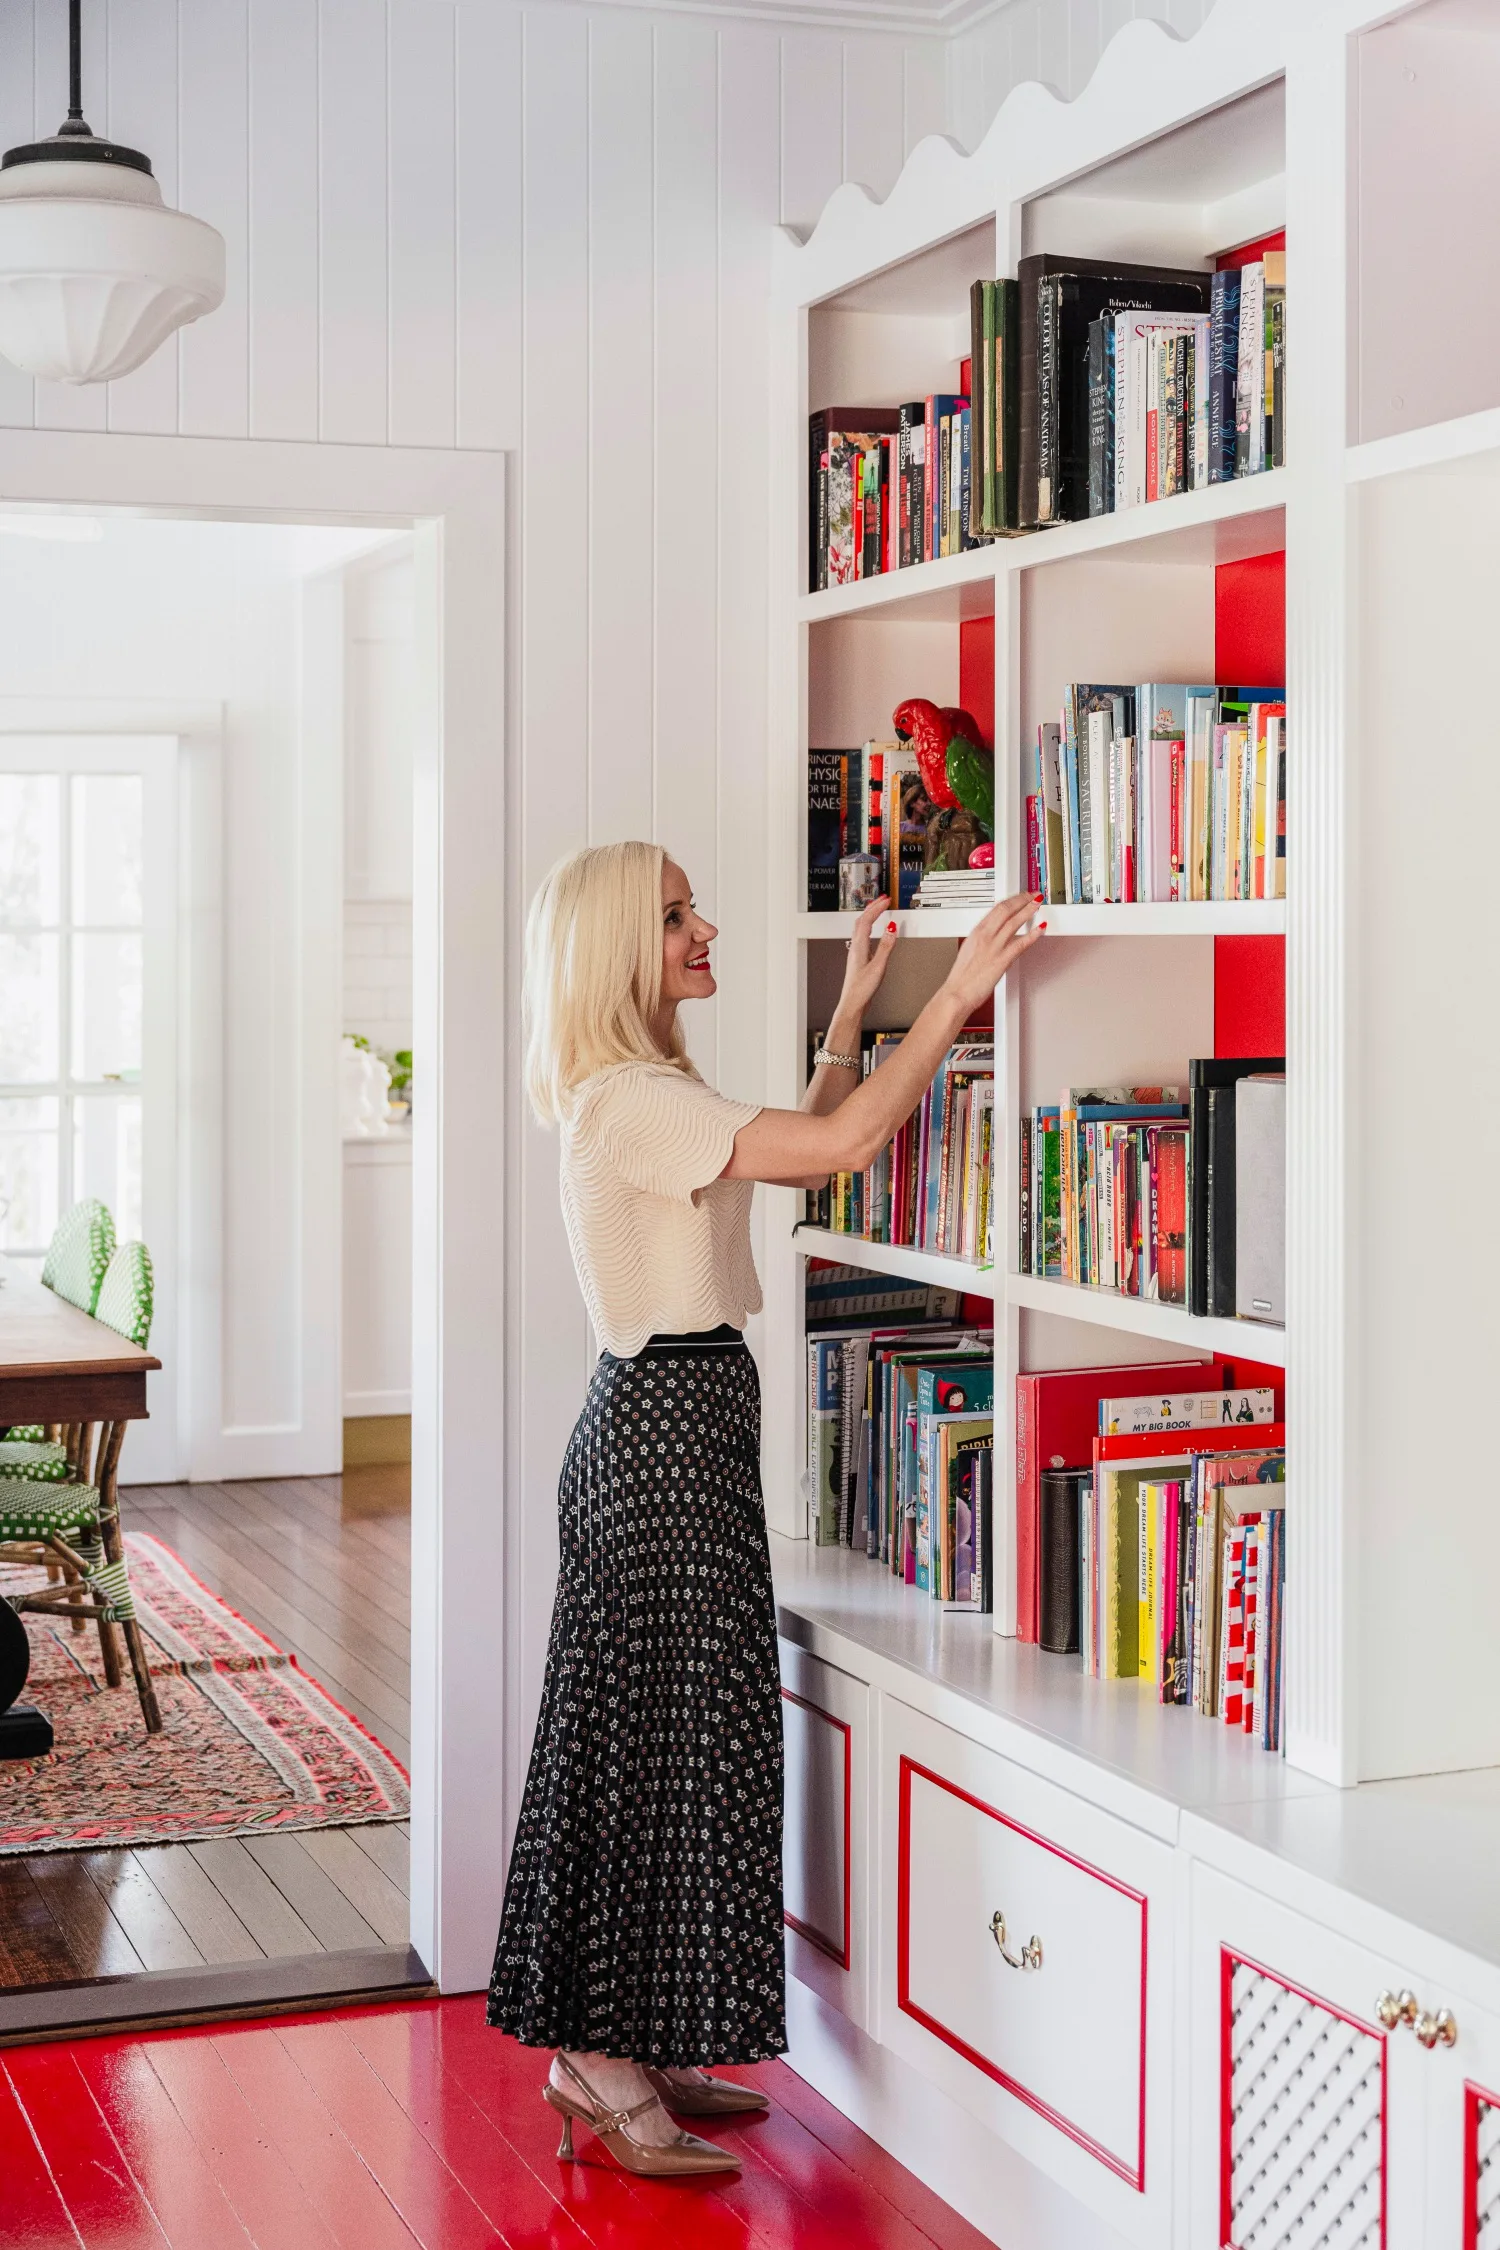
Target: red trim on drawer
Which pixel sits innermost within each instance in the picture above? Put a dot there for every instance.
(1229, 1961)
(1134, 2176)
(1473, 2096)
(841, 1953)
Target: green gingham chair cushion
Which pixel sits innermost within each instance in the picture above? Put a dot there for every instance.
(35, 1511)
(127, 1294)
(78, 1255)
(39, 1463)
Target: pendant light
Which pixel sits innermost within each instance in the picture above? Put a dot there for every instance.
(95, 270)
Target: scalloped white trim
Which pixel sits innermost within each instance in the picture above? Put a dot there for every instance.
(1148, 81)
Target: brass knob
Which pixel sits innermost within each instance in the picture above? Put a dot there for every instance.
(1030, 1955)
(1396, 2008)
(1437, 2031)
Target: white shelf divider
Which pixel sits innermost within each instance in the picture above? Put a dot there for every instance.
(1439, 445)
(886, 1257)
(1256, 917)
(1139, 1316)
(1224, 523)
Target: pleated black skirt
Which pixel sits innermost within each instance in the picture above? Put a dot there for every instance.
(642, 1912)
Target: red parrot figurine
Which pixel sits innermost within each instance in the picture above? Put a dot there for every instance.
(930, 730)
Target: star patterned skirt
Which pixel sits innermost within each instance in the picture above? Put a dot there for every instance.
(642, 1911)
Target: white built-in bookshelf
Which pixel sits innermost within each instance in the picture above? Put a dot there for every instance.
(1178, 152)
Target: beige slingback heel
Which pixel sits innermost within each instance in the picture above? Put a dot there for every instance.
(685, 2157)
(708, 2097)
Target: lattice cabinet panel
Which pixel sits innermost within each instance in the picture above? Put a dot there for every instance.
(1304, 2124)
(1482, 2159)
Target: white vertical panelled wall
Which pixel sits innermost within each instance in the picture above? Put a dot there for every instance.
(543, 230)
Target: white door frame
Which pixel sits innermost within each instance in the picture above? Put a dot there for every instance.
(456, 502)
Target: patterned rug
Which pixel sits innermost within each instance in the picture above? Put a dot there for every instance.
(250, 1741)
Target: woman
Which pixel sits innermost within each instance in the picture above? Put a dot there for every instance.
(642, 1934)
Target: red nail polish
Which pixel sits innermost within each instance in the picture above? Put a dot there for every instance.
(1041, 925)
(890, 929)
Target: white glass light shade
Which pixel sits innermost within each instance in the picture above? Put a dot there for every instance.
(95, 271)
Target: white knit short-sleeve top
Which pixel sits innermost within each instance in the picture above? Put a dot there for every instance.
(660, 1242)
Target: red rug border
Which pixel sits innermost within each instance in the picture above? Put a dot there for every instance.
(287, 1655)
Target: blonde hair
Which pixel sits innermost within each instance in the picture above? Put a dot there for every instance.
(593, 972)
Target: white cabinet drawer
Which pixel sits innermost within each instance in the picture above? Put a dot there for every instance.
(825, 1850)
(1030, 1965)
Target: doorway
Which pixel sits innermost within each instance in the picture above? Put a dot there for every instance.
(457, 545)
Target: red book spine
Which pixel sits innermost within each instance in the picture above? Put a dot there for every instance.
(932, 478)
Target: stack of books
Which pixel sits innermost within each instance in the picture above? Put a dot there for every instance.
(956, 886)
(1159, 793)
(873, 800)
(930, 1186)
(1176, 403)
(889, 486)
(901, 1453)
(1150, 1531)
(1091, 385)
(1170, 1195)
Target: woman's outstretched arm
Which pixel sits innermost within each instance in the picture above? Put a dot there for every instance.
(791, 1146)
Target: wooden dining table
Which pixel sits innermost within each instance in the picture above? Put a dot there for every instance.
(57, 1364)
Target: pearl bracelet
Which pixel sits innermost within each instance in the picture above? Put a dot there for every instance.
(838, 1062)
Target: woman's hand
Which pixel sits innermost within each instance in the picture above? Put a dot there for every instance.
(868, 959)
(988, 951)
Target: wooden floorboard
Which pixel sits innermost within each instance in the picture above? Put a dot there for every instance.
(294, 1867)
(141, 1911)
(333, 1590)
(198, 1903)
(96, 1942)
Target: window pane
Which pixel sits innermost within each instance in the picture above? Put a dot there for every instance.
(29, 998)
(30, 847)
(106, 1007)
(107, 1156)
(106, 849)
(28, 1174)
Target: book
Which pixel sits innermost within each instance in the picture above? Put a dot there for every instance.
(1057, 1423)
(1059, 1523)
(826, 827)
(1224, 350)
(1260, 1198)
(835, 435)
(1143, 1413)
(1204, 1075)
(1250, 375)
(1059, 296)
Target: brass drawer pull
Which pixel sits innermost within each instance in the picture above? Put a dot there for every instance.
(1030, 1955)
(1397, 2008)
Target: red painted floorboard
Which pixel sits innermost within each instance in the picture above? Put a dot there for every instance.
(404, 2128)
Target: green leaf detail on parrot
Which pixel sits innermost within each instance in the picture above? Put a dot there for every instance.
(971, 777)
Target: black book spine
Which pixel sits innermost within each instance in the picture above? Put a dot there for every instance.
(1024, 1209)
(817, 505)
(825, 770)
(1220, 1230)
(1046, 401)
(1100, 480)
(1057, 1622)
(1223, 370)
(1027, 290)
